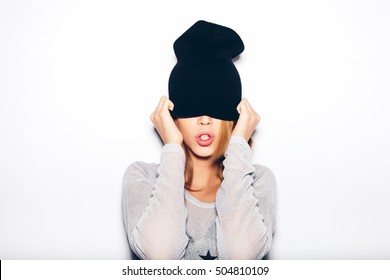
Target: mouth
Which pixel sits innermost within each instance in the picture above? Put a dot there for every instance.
(204, 139)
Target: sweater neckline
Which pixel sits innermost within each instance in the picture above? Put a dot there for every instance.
(197, 202)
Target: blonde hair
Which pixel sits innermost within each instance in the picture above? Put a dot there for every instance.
(218, 157)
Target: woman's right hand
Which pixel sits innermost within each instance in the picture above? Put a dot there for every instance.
(164, 123)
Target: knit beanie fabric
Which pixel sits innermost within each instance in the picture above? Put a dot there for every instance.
(204, 80)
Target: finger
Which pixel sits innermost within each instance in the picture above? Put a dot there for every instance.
(170, 105)
(161, 103)
(238, 108)
(158, 109)
(166, 105)
(243, 106)
(249, 106)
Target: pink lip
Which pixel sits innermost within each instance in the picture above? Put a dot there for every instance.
(203, 142)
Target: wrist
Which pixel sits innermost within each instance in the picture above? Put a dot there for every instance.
(245, 136)
(174, 141)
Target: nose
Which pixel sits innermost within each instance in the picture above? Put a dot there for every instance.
(205, 120)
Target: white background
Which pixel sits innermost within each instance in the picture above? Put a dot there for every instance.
(79, 79)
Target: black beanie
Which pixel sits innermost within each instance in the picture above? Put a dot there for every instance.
(204, 80)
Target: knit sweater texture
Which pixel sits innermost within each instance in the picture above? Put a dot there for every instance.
(164, 221)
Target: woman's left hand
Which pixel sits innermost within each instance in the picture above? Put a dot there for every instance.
(247, 120)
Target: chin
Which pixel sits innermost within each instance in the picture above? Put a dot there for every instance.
(203, 152)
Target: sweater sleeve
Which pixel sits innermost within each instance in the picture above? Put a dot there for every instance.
(245, 205)
(153, 207)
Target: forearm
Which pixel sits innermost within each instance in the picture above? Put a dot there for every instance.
(241, 229)
(158, 230)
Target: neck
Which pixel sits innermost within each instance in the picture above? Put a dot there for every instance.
(205, 179)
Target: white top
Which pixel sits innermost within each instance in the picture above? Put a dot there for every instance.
(164, 221)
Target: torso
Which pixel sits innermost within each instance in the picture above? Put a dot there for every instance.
(200, 229)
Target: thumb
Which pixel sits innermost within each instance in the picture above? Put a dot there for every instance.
(238, 108)
(170, 105)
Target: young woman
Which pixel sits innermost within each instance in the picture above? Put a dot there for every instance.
(205, 200)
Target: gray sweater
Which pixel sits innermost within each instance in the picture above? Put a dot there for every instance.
(164, 221)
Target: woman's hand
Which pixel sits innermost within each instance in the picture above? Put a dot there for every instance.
(247, 121)
(164, 123)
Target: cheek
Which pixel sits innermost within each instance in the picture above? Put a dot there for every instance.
(185, 131)
(186, 136)
(186, 127)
